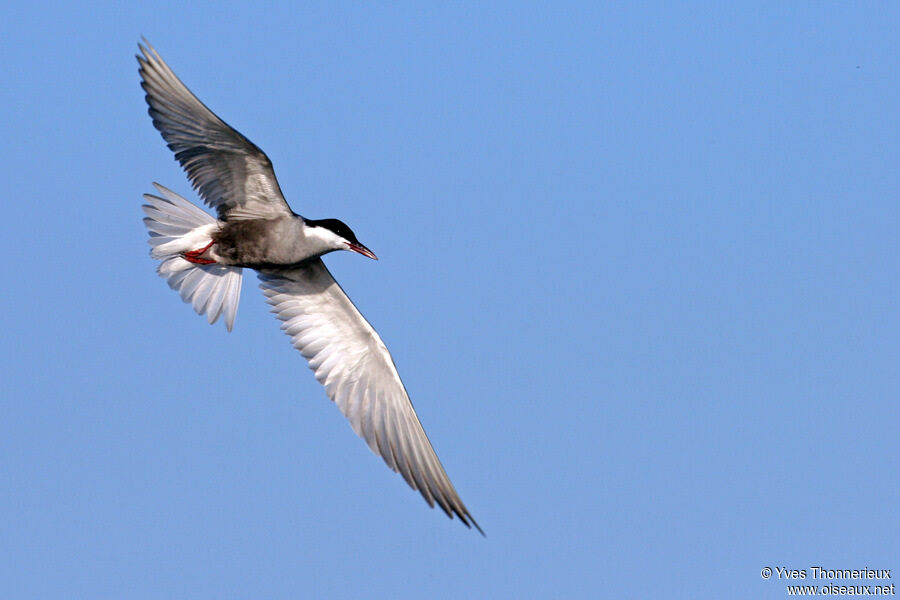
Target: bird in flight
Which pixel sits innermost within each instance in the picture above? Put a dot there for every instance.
(202, 258)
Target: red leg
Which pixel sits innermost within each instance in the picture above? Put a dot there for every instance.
(194, 255)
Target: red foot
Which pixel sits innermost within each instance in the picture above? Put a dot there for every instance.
(194, 255)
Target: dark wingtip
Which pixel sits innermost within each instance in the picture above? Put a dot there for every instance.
(480, 530)
(144, 54)
(467, 520)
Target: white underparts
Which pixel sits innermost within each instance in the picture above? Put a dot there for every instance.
(176, 226)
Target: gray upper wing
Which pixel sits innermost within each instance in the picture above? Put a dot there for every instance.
(350, 360)
(229, 171)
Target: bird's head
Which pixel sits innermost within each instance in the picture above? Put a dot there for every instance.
(335, 235)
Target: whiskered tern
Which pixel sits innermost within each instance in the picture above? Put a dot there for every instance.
(202, 258)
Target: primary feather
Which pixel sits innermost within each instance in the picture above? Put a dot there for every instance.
(353, 364)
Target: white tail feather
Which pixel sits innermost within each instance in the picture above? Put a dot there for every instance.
(177, 226)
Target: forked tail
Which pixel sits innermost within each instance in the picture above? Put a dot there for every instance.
(177, 228)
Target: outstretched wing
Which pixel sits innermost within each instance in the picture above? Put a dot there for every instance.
(359, 375)
(229, 171)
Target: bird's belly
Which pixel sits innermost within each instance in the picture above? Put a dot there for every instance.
(257, 244)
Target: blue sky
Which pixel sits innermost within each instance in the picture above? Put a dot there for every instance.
(638, 270)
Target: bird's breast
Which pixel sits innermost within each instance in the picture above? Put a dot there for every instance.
(259, 243)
